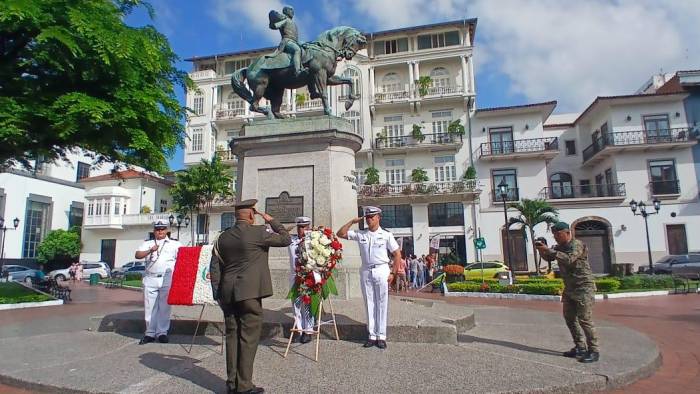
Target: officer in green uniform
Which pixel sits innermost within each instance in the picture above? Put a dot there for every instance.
(579, 290)
(240, 279)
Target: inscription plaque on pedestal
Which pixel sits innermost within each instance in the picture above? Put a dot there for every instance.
(285, 208)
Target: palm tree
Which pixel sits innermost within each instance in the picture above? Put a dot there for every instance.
(532, 213)
(197, 188)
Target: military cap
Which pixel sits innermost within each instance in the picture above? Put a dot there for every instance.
(160, 223)
(302, 221)
(245, 204)
(369, 211)
(558, 226)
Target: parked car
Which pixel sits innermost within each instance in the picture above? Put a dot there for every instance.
(689, 268)
(19, 273)
(665, 264)
(126, 266)
(492, 269)
(137, 270)
(101, 268)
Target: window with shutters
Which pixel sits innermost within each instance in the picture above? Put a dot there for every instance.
(445, 169)
(391, 83)
(395, 171)
(386, 47)
(355, 89)
(354, 118)
(438, 40)
(197, 139)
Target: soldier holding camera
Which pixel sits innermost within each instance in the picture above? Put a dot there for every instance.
(579, 290)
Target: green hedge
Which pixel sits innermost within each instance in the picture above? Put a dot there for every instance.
(542, 288)
(555, 288)
(646, 282)
(132, 277)
(607, 285)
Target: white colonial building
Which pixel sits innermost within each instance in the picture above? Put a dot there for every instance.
(49, 197)
(416, 88)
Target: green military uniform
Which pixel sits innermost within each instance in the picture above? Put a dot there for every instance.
(240, 279)
(579, 291)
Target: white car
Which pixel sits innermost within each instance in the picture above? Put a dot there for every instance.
(101, 268)
(128, 265)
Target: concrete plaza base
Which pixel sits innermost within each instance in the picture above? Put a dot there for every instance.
(508, 351)
(410, 320)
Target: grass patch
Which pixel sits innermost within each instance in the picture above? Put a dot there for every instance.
(14, 293)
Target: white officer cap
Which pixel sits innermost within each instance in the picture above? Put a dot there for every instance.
(302, 221)
(160, 223)
(369, 211)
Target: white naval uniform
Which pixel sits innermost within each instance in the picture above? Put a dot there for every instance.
(156, 284)
(302, 312)
(374, 276)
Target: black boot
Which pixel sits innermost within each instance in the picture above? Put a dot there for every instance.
(575, 352)
(370, 343)
(590, 357)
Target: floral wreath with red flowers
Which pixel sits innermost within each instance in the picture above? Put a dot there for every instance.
(317, 257)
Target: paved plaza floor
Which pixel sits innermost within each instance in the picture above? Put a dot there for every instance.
(510, 349)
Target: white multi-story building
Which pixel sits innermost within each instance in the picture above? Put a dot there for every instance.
(47, 198)
(416, 88)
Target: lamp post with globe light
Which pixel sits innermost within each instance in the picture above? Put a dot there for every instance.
(503, 192)
(172, 218)
(2, 243)
(643, 213)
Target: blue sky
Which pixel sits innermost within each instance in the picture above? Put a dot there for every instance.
(526, 50)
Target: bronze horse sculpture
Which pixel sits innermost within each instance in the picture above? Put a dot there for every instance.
(269, 77)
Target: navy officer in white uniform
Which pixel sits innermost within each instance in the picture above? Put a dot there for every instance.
(160, 254)
(375, 245)
(302, 312)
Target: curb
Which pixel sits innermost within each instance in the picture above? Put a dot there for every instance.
(23, 305)
(525, 297)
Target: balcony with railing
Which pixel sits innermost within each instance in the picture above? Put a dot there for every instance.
(391, 96)
(537, 148)
(511, 195)
(224, 113)
(466, 190)
(310, 105)
(608, 143)
(226, 156)
(440, 91)
(439, 141)
(669, 188)
(585, 194)
(117, 221)
(203, 74)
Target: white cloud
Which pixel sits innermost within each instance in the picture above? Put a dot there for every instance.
(235, 14)
(560, 49)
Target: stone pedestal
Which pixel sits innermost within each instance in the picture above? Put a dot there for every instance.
(302, 167)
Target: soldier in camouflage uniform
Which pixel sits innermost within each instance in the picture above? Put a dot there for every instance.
(579, 290)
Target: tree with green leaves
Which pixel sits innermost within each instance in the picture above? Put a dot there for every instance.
(532, 213)
(197, 188)
(59, 248)
(74, 75)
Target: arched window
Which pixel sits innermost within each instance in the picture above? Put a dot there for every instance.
(440, 77)
(356, 82)
(391, 83)
(226, 220)
(354, 118)
(562, 186)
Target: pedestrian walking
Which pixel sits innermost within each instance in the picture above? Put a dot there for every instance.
(240, 279)
(374, 243)
(579, 291)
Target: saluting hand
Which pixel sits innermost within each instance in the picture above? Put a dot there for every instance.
(357, 220)
(265, 216)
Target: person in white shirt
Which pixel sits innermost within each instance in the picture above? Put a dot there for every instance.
(374, 244)
(302, 312)
(160, 254)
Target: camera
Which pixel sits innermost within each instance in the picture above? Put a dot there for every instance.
(540, 241)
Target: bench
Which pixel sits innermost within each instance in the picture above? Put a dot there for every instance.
(682, 284)
(51, 287)
(113, 282)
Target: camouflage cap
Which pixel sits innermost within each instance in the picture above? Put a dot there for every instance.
(558, 226)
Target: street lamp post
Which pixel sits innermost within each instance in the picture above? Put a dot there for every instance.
(171, 219)
(2, 243)
(643, 213)
(503, 191)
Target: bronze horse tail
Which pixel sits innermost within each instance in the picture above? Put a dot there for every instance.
(239, 76)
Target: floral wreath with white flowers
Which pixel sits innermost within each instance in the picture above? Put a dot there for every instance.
(317, 256)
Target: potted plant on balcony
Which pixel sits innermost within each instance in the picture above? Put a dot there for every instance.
(371, 176)
(469, 174)
(300, 99)
(145, 209)
(417, 134)
(455, 128)
(423, 83)
(419, 175)
(381, 139)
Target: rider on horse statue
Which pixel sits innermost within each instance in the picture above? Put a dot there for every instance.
(290, 36)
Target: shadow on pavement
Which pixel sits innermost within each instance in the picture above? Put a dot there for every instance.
(471, 339)
(185, 368)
